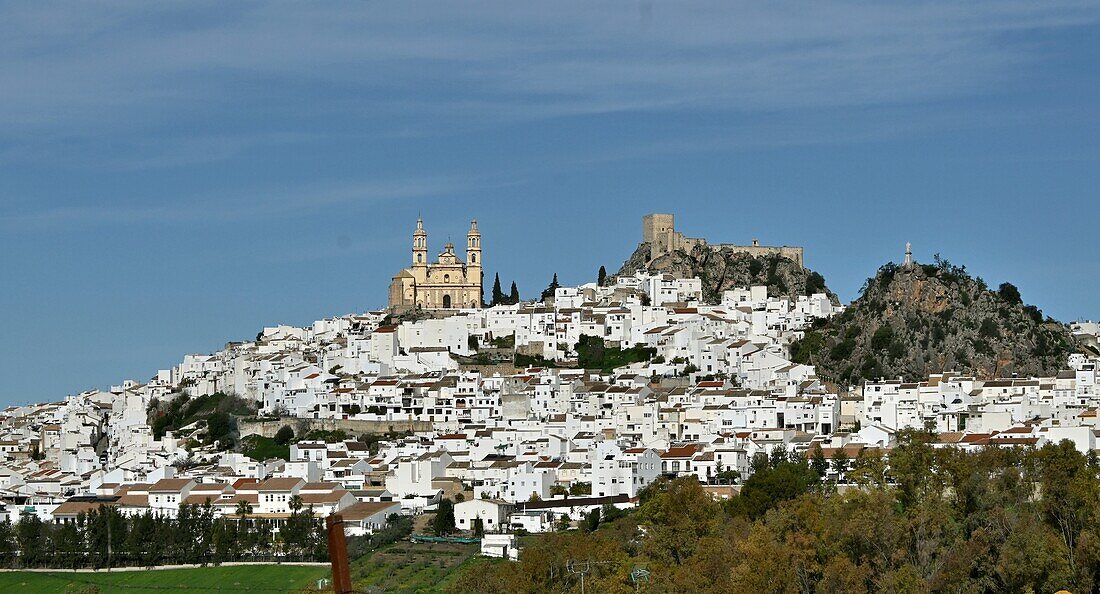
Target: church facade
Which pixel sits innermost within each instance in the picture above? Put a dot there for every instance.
(447, 283)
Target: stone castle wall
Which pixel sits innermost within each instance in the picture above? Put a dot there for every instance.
(659, 231)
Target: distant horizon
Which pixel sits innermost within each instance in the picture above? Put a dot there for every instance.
(174, 176)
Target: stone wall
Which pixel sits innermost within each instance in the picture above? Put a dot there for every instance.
(791, 253)
(268, 427)
(659, 231)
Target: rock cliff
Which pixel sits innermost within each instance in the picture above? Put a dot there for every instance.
(910, 321)
(723, 269)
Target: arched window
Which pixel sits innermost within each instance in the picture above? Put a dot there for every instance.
(446, 301)
(446, 278)
(419, 258)
(473, 258)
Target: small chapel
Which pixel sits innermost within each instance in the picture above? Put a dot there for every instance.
(448, 283)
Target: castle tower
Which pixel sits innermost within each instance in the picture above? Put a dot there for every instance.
(420, 245)
(657, 226)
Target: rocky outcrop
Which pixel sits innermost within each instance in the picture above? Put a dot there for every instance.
(722, 269)
(910, 321)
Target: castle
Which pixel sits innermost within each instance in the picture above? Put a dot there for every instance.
(448, 283)
(659, 231)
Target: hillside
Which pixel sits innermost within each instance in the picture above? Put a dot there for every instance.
(208, 419)
(927, 318)
(722, 269)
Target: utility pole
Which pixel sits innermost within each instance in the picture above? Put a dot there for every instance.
(580, 570)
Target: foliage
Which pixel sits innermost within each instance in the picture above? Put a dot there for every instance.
(521, 360)
(1010, 293)
(327, 436)
(216, 409)
(592, 354)
(402, 568)
(498, 293)
(579, 489)
(548, 292)
(443, 523)
(397, 528)
(929, 520)
(195, 535)
(262, 448)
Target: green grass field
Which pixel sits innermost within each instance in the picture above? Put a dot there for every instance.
(251, 578)
(401, 568)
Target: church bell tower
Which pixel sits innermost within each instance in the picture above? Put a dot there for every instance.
(473, 259)
(420, 245)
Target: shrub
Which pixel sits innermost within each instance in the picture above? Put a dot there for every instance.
(1010, 293)
(284, 435)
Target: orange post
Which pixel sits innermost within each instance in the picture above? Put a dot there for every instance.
(338, 554)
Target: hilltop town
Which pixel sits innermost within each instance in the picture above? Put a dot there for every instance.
(527, 414)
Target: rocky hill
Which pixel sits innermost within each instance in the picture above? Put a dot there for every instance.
(723, 269)
(910, 321)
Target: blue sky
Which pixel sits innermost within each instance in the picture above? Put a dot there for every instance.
(176, 176)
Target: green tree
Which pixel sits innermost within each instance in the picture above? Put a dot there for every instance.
(840, 462)
(1010, 293)
(444, 521)
(677, 514)
(818, 463)
(601, 277)
(498, 294)
(592, 520)
(513, 296)
(284, 435)
(770, 486)
(882, 338)
(548, 292)
(30, 534)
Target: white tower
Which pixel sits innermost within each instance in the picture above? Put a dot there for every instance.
(420, 245)
(908, 254)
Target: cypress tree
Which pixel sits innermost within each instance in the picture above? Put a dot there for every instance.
(498, 295)
(513, 298)
(549, 292)
(601, 278)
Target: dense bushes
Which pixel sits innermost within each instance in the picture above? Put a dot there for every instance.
(592, 354)
(930, 520)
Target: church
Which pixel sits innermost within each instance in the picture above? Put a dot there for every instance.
(448, 283)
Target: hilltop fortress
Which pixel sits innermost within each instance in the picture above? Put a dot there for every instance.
(659, 231)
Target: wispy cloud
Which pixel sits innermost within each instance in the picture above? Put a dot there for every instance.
(237, 205)
(133, 66)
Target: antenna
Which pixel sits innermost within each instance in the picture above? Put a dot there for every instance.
(572, 566)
